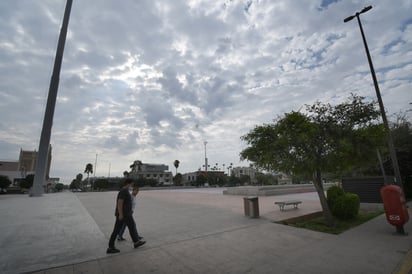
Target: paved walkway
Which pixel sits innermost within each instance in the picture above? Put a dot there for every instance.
(188, 231)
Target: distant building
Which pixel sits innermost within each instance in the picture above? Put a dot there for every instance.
(17, 170)
(284, 179)
(158, 172)
(10, 170)
(190, 178)
(244, 171)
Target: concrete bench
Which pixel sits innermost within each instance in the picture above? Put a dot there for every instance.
(285, 203)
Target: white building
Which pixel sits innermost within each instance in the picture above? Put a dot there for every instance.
(189, 178)
(244, 171)
(158, 172)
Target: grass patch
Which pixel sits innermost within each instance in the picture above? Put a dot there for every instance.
(317, 223)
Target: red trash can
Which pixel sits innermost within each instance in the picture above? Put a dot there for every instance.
(395, 206)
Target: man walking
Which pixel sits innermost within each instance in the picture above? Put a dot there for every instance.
(135, 191)
(124, 215)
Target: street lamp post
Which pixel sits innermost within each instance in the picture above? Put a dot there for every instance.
(205, 143)
(378, 94)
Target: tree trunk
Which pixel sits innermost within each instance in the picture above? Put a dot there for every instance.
(317, 181)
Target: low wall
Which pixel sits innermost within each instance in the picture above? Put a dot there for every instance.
(271, 190)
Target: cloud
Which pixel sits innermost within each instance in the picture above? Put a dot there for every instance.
(153, 80)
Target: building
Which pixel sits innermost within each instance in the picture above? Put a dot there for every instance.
(189, 179)
(284, 179)
(158, 172)
(26, 164)
(245, 171)
(10, 169)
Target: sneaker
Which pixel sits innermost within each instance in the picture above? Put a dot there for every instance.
(139, 243)
(140, 238)
(111, 250)
(121, 239)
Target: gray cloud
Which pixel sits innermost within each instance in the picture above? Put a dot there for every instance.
(151, 80)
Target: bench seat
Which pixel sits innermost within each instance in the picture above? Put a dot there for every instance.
(282, 204)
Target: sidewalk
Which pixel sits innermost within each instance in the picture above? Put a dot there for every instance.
(187, 232)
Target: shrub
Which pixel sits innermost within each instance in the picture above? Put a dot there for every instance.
(101, 184)
(25, 184)
(4, 182)
(346, 206)
(332, 194)
(59, 187)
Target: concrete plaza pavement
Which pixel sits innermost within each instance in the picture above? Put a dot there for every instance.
(188, 231)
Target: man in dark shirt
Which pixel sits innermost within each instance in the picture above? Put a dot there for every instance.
(124, 214)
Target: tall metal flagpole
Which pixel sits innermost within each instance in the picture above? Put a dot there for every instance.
(41, 161)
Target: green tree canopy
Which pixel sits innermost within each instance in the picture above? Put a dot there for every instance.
(27, 182)
(59, 187)
(266, 179)
(323, 138)
(200, 180)
(4, 182)
(401, 130)
(177, 179)
(101, 184)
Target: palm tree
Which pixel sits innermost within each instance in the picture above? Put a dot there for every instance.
(176, 164)
(88, 170)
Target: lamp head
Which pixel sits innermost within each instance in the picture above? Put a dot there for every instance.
(347, 19)
(365, 9)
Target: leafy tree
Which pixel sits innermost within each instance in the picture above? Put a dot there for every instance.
(79, 178)
(76, 183)
(200, 180)
(266, 179)
(401, 130)
(178, 179)
(244, 180)
(73, 184)
(101, 184)
(152, 182)
(24, 184)
(4, 182)
(222, 180)
(176, 164)
(27, 182)
(323, 139)
(233, 181)
(217, 179)
(30, 178)
(141, 182)
(59, 187)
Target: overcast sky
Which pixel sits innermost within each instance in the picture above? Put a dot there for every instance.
(152, 80)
